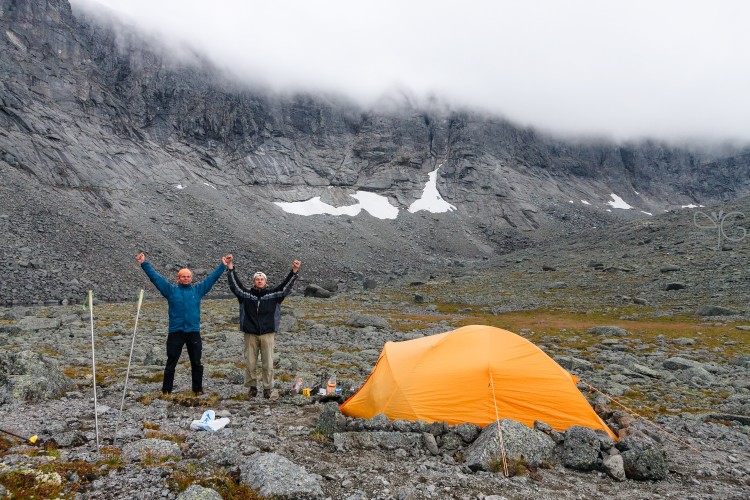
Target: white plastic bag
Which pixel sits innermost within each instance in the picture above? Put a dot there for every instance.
(209, 422)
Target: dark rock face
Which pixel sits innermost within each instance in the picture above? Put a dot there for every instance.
(331, 420)
(317, 291)
(30, 376)
(109, 146)
(609, 331)
(275, 476)
(675, 286)
(646, 463)
(715, 311)
(581, 448)
(518, 441)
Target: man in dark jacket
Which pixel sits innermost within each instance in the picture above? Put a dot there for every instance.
(184, 300)
(260, 313)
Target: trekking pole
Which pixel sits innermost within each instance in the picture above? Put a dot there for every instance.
(31, 440)
(127, 373)
(93, 366)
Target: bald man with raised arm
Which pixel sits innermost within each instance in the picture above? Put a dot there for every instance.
(184, 300)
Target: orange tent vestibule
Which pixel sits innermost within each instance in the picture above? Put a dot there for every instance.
(476, 374)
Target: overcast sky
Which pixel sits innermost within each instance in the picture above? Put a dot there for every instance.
(620, 69)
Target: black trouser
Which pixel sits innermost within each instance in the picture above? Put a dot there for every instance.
(175, 341)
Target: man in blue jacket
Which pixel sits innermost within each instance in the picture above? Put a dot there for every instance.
(260, 313)
(184, 301)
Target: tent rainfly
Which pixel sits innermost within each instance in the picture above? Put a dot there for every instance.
(476, 374)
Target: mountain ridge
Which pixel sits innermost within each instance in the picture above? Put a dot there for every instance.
(98, 127)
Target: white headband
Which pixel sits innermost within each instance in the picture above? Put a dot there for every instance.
(259, 275)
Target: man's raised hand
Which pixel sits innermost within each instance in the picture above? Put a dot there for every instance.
(295, 266)
(141, 258)
(228, 260)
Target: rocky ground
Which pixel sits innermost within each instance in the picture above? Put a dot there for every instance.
(678, 356)
(650, 310)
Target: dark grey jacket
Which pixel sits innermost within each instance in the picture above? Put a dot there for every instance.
(260, 308)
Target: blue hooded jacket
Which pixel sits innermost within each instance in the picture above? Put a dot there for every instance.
(184, 300)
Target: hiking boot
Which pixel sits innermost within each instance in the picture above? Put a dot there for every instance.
(252, 392)
(267, 393)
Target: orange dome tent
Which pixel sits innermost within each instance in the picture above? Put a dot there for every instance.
(477, 374)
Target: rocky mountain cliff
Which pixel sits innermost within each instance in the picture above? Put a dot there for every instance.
(111, 145)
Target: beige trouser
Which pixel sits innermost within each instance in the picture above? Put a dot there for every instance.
(253, 344)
